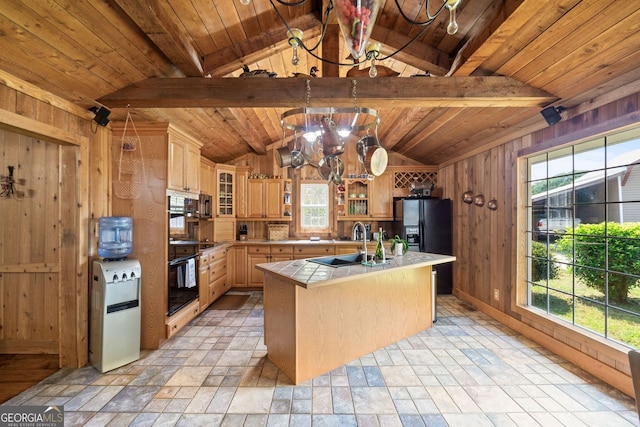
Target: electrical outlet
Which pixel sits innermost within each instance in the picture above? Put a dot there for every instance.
(496, 294)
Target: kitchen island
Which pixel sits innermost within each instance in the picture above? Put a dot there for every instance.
(318, 317)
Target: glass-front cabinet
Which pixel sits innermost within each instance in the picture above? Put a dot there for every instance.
(225, 186)
(360, 198)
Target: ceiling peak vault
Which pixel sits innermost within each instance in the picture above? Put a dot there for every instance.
(181, 61)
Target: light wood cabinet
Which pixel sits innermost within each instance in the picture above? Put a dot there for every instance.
(237, 266)
(266, 199)
(382, 203)
(203, 280)
(224, 230)
(207, 177)
(241, 191)
(182, 318)
(258, 254)
(212, 274)
(312, 251)
(184, 163)
(281, 253)
(225, 191)
(361, 199)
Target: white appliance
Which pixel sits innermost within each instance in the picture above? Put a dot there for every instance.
(114, 338)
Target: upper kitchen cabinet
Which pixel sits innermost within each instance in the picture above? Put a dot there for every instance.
(225, 190)
(361, 199)
(382, 202)
(242, 193)
(269, 199)
(183, 173)
(207, 177)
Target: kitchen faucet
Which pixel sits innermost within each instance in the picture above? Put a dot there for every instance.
(354, 236)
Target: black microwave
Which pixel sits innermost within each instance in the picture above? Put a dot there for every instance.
(206, 206)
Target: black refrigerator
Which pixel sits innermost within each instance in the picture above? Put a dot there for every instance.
(426, 224)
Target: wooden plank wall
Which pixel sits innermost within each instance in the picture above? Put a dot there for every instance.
(45, 241)
(485, 241)
(150, 226)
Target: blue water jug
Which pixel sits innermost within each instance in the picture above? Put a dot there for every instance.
(116, 237)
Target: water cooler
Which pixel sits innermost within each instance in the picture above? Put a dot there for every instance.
(115, 311)
(115, 314)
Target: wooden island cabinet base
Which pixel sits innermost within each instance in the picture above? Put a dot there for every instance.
(311, 331)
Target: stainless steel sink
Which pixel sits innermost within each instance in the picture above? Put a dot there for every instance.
(338, 260)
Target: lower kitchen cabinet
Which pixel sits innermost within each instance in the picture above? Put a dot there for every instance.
(281, 253)
(212, 275)
(203, 280)
(182, 318)
(311, 251)
(237, 267)
(259, 254)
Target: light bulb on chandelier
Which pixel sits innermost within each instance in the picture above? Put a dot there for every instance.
(295, 38)
(452, 5)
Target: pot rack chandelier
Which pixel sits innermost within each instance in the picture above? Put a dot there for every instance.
(356, 19)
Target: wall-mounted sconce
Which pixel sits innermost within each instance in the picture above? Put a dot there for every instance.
(478, 200)
(552, 114)
(102, 115)
(467, 197)
(492, 204)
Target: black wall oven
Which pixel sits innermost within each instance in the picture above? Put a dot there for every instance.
(183, 252)
(183, 278)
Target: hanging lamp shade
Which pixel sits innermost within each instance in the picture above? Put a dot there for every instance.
(356, 19)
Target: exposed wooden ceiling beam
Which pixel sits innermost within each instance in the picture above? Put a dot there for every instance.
(254, 49)
(156, 23)
(486, 91)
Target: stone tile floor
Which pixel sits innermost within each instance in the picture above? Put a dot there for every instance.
(468, 370)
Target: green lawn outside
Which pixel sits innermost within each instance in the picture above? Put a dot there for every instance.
(623, 327)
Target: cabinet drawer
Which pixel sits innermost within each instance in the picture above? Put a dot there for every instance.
(281, 250)
(314, 250)
(217, 254)
(182, 318)
(216, 289)
(217, 269)
(264, 250)
(204, 259)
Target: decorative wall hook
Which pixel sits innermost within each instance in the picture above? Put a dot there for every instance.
(479, 200)
(492, 204)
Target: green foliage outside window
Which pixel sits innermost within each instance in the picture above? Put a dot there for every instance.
(541, 262)
(606, 246)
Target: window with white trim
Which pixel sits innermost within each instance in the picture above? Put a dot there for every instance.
(583, 256)
(314, 207)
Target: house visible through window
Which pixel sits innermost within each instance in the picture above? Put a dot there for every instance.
(314, 207)
(583, 231)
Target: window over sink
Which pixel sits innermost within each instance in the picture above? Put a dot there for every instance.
(314, 207)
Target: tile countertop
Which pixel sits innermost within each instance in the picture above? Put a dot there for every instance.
(309, 274)
(300, 242)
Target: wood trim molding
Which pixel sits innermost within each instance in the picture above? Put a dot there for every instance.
(35, 92)
(619, 123)
(35, 129)
(595, 367)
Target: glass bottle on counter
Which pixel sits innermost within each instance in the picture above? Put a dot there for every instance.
(379, 254)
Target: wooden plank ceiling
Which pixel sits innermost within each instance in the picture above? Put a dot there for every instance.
(489, 81)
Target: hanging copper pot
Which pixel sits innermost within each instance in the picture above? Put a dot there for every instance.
(332, 144)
